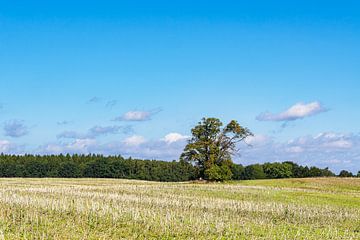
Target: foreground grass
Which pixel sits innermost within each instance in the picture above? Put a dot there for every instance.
(324, 208)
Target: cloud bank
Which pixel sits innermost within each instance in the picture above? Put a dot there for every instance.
(335, 150)
(167, 148)
(329, 149)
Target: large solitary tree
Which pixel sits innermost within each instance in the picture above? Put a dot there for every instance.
(212, 146)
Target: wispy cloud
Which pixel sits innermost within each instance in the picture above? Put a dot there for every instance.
(99, 130)
(295, 112)
(111, 103)
(61, 123)
(94, 100)
(138, 116)
(108, 103)
(71, 134)
(15, 129)
(96, 131)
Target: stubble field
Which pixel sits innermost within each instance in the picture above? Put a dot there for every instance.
(320, 208)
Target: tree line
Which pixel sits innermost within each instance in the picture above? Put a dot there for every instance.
(98, 166)
(208, 156)
(93, 166)
(212, 146)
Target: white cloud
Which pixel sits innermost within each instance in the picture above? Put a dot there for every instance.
(5, 146)
(295, 149)
(81, 145)
(135, 146)
(257, 140)
(339, 144)
(8, 147)
(51, 148)
(135, 116)
(320, 150)
(174, 137)
(297, 111)
(134, 140)
(326, 141)
(138, 116)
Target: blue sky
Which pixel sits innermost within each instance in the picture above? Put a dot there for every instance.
(132, 78)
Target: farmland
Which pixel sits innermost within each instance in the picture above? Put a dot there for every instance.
(319, 208)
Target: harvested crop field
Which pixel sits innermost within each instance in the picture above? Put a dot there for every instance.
(319, 208)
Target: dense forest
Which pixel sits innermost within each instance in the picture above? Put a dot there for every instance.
(98, 166)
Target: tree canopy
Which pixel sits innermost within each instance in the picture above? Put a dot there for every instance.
(98, 166)
(212, 146)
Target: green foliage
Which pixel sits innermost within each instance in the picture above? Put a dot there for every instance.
(345, 173)
(326, 172)
(238, 171)
(212, 146)
(69, 170)
(317, 172)
(218, 173)
(94, 166)
(98, 166)
(255, 171)
(284, 170)
(278, 170)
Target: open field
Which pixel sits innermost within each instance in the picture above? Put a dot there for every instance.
(327, 208)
